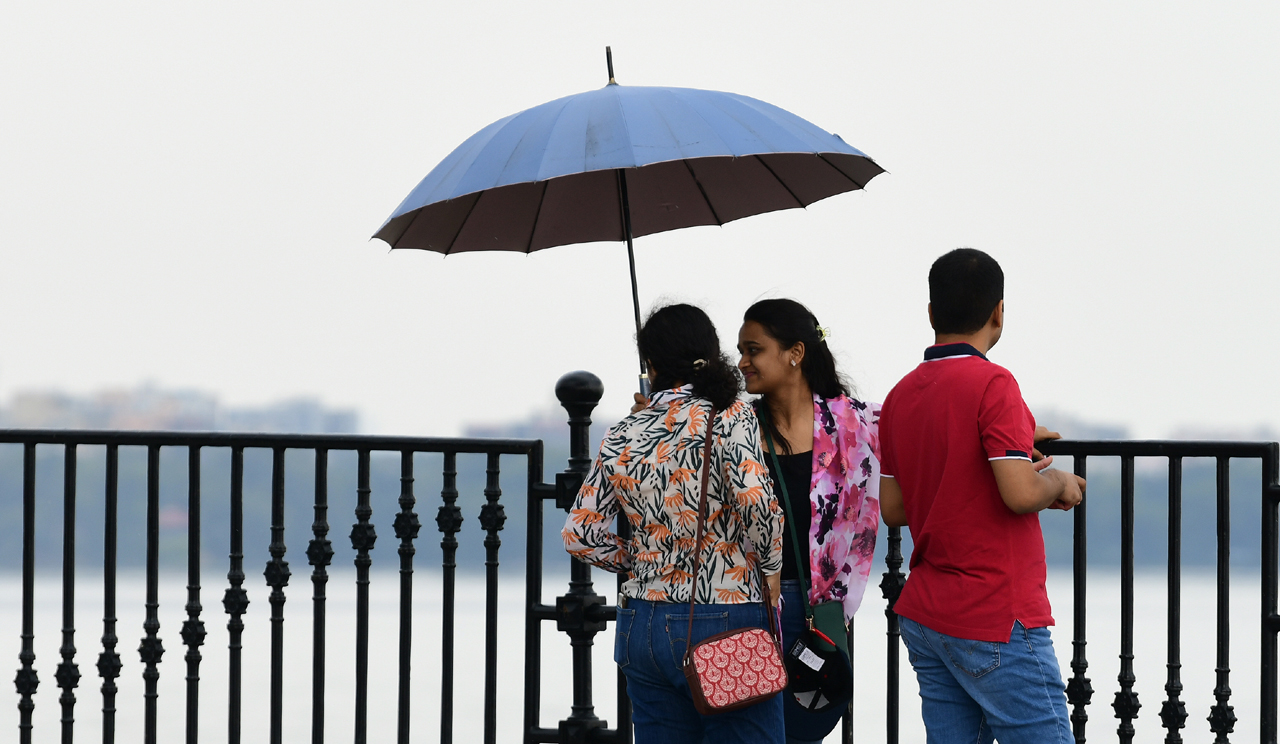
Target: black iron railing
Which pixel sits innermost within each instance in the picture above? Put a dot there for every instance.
(580, 612)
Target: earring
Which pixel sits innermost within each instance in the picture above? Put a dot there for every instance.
(793, 362)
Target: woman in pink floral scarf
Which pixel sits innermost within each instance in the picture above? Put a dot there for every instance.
(828, 450)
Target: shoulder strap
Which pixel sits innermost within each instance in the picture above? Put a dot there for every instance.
(791, 523)
(702, 520)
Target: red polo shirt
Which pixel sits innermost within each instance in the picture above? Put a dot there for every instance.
(976, 566)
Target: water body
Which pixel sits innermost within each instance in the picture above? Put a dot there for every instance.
(1198, 650)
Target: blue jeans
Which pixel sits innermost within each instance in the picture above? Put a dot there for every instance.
(979, 691)
(649, 647)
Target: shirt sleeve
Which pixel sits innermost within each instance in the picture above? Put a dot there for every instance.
(586, 531)
(1004, 422)
(751, 488)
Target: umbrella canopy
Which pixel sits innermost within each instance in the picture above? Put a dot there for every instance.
(565, 171)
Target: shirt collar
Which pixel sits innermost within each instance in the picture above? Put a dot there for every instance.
(951, 351)
(665, 397)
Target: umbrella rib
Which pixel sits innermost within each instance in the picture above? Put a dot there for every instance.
(542, 199)
(416, 213)
(703, 191)
(852, 180)
(780, 181)
(462, 225)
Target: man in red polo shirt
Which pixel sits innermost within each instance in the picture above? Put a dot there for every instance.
(956, 444)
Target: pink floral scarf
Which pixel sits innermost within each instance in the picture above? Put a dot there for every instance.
(844, 499)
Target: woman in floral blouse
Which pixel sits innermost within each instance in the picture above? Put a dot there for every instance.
(649, 471)
(828, 449)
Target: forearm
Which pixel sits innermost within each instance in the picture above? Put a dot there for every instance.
(765, 533)
(596, 545)
(1041, 497)
(1023, 489)
(587, 535)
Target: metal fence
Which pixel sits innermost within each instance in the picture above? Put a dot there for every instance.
(580, 612)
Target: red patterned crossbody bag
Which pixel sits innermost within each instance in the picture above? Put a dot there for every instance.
(740, 667)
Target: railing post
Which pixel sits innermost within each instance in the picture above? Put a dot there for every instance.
(319, 555)
(109, 664)
(579, 613)
(407, 526)
(68, 674)
(1080, 687)
(151, 648)
(1126, 704)
(277, 574)
(27, 679)
(449, 521)
(1270, 619)
(891, 588)
(193, 631)
(363, 536)
(1222, 716)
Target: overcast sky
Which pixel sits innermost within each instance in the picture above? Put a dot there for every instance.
(187, 192)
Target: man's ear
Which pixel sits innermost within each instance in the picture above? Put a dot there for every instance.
(931, 316)
(996, 321)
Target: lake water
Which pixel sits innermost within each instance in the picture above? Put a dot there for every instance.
(1198, 649)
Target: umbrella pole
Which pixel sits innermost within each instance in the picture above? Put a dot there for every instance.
(631, 260)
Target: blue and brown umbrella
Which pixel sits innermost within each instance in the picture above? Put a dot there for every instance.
(619, 163)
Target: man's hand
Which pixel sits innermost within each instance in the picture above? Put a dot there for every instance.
(773, 588)
(1072, 489)
(641, 403)
(1042, 435)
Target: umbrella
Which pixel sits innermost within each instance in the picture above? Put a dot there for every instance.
(619, 163)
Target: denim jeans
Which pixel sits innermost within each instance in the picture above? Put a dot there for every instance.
(979, 691)
(649, 647)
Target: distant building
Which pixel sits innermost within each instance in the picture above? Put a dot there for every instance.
(150, 408)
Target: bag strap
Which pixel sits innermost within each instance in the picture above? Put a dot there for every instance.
(702, 520)
(769, 612)
(791, 523)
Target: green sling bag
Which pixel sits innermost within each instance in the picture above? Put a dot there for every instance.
(825, 619)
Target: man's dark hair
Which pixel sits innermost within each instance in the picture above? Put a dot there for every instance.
(965, 286)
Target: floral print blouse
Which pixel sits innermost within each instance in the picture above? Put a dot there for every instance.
(844, 499)
(650, 469)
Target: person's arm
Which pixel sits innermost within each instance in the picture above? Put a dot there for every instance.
(1009, 434)
(586, 532)
(1027, 487)
(891, 508)
(748, 479)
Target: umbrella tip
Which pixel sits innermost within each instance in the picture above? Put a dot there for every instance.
(608, 58)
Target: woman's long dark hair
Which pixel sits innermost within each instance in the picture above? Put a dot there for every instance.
(681, 343)
(789, 323)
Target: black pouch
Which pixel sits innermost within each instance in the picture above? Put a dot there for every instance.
(821, 679)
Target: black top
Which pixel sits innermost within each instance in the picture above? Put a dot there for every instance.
(797, 469)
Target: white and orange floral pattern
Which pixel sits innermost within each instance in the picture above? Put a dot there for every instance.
(649, 469)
